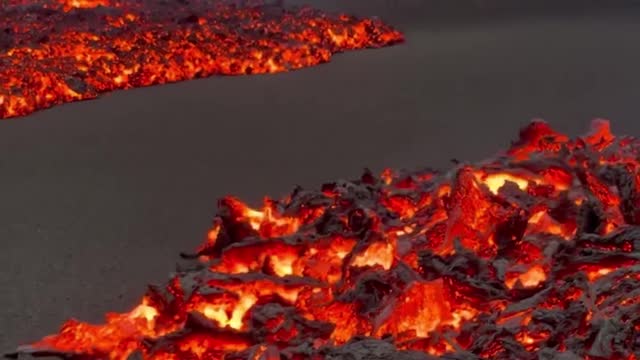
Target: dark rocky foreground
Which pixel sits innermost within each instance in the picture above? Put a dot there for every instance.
(90, 189)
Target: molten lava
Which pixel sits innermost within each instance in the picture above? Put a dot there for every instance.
(534, 254)
(58, 51)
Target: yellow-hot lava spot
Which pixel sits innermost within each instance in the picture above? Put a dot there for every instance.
(531, 278)
(260, 219)
(268, 222)
(596, 274)
(542, 222)
(378, 253)
(230, 311)
(495, 181)
(144, 311)
(75, 4)
(557, 178)
(238, 310)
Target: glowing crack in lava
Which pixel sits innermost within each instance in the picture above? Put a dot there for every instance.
(59, 51)
(533, 254)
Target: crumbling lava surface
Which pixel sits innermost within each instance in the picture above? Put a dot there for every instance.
(533, 254)
(58, 51)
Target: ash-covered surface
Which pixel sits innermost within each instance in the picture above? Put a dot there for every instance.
(531, 254)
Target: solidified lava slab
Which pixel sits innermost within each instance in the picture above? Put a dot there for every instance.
(59, 51)
(532, 254)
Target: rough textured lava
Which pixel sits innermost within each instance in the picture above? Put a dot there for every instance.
(533, 254)
(58, 51)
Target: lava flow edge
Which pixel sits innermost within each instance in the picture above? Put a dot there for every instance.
(59, 51)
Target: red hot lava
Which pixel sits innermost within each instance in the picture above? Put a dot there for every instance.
(533, 254)
(58, 51)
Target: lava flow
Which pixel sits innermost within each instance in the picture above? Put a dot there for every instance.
(533, 254)
(59, 51)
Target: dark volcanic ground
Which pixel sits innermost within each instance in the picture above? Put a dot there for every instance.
(98, 198)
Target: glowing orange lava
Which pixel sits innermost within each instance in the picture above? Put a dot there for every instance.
(59, 51)
(533, 254)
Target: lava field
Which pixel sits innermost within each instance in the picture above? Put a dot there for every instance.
(532, 254)
(59, 51)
